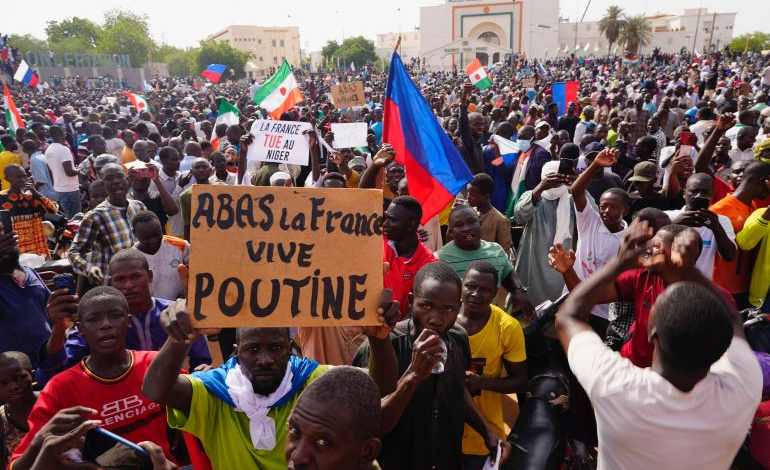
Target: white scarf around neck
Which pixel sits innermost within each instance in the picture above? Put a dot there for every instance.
(256, 407)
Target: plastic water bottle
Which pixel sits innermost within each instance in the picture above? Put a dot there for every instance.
(439, 367)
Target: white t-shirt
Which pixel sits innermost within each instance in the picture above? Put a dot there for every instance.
(706, 259)
(165, 278)
(55, 156)
(644, 422)
(596, 246)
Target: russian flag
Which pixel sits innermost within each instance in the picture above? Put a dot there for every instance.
(25, 74)
(214, 72)
(509, 151)
(563, 93)
(435, 169)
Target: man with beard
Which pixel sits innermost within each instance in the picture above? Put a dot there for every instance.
(24, 324)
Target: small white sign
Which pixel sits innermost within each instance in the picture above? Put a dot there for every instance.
(279, 142)
(349, 134)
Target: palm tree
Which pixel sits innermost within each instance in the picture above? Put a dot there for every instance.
(612, 25)
(635, 33)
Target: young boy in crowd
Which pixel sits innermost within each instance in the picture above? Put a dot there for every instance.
(496, 342)
(18, 398)
(495, 227)
(600, 231)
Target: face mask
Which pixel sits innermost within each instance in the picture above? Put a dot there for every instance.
(524, 145)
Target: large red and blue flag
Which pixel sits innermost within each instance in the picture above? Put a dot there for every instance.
(563, 94)
(434, 167)
(214, 72)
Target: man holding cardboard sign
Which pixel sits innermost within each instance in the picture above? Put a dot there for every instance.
(347, 95)
(280, 265)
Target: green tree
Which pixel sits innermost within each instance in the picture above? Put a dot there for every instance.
(213, 52)
(756, 41)
(357, 49)
(181, 62)
(27, 42)
(85, 31)
(126, 33)
(635, 33)
(611, 25)
(329, 49)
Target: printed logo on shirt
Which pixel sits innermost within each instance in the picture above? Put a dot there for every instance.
(125, 409)
(408, 275)
(175, 262)
(706, 243)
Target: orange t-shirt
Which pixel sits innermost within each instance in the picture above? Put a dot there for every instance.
(734, 275)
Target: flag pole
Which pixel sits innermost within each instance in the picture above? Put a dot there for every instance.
(398, 44)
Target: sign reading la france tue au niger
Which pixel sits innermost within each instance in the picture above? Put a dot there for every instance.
(279, 142)
(277, 257)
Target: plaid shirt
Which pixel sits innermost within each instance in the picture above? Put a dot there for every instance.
(637, 124)
(103, 232)
(621, 316)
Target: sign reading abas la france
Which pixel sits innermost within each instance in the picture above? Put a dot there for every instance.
(279, 142)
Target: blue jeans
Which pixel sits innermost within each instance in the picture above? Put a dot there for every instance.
(69, 203)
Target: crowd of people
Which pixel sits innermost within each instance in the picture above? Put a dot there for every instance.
(645, 200)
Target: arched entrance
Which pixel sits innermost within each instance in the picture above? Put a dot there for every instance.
(490, 37)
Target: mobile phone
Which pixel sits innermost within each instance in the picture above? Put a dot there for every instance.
(145, 173)
(567, 166)
(5, 219)
(112, 452)
(699, 203)
(687, 138)
(64, 281)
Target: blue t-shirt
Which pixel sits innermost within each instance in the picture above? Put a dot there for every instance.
(24, 323)
(41, 176)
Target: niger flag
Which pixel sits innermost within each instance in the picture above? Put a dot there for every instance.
(280, 93)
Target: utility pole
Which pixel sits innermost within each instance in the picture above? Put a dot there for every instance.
(713, 26)
(697, 26)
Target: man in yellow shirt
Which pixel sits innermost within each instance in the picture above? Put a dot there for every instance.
(496, 341)
(128, 154)
(7, 157)
(756, 232)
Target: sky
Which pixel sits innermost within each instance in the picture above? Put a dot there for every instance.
(185, 23)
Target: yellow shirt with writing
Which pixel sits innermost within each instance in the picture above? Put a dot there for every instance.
(501, 338)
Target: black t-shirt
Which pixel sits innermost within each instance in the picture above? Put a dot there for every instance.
(430, 431)
(597, 186)
(156, 206)
(658, 200)
(568, 123)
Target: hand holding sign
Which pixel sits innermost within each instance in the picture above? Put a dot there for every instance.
(279, 142)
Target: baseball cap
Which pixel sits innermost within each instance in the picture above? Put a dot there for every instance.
(593, 149)
(644, 172)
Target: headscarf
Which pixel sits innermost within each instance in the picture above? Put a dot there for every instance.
(759, 148)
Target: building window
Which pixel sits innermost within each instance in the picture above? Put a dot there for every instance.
(588, 27)
(282, 45)
(273, 42)
(259, 41)
(275, 60)
(261, 59)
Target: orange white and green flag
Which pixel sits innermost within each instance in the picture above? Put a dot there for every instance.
(478, 75)
(12, 117)
(280, 93)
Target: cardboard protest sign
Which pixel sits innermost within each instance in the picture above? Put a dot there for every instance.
(528, 83)
(273, 257)
(279, 142)
(347, 95)
(351, 134)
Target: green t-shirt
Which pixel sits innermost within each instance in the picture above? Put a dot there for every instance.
(487, 251)
(225, 433)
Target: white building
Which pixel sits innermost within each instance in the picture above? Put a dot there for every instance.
(269, 46)
(459, 31)
(693, 28)
(410, 45)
